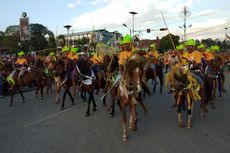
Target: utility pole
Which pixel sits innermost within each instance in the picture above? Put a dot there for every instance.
(133, 13)
(185, 13)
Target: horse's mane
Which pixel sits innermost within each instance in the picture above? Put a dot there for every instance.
(113, 65)
(84, 66)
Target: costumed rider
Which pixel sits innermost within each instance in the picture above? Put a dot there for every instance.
(22, 64)
(126, 52)
(202, 49)
(95, 61)
(195, 59)
(154, 55)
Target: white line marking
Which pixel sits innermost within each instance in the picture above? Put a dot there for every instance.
(51, 116)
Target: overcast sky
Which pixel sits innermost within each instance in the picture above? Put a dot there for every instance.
(208, 17)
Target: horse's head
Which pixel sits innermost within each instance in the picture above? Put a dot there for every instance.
(56, 67)
(134, 73)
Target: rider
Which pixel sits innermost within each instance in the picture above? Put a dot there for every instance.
(22, 64)
(153, 53)
(126, 52)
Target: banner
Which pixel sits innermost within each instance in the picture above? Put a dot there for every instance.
(24, 29)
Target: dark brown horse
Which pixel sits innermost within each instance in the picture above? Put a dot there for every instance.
(62, 74)
(129, 92)
(111, 74)
(87, 81)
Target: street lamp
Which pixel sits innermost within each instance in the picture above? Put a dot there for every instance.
(67, 27)
(133, 13)
(127, 27)
(226, 31)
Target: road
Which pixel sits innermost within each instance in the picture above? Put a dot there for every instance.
(38, 126)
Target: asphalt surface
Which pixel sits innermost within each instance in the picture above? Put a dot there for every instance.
(38, 126)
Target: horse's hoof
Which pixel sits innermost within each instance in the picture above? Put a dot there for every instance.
(95, 109)
(41, 98)
(10, 105)
(104, 104)
(111, 115)
(62, 108)
(213, 107)
(87, 114)
(124, 139)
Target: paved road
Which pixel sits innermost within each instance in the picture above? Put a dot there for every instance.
(38, 126)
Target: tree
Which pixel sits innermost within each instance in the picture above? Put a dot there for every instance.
(40, 36)
(11, 30)
(166, 44)
(61, 40)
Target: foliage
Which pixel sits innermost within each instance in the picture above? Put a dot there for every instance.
(166, 44)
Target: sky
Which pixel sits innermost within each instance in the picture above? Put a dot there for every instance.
(208, 18)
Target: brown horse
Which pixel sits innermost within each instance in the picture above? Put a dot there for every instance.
(185, 91)
(33, 76)
(129, 92)
(63, 79)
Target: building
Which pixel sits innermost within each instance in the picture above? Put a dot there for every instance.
(94, 36)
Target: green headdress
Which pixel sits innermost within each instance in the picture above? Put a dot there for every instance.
(190, 42)
(180, 47)
(21, 53)
(52, 54)
(153, 45)
(126, 39)
(65, 49)
(201, 46)
(215, 48)
(74, 50)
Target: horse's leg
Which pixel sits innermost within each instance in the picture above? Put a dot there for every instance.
(63, 101)
(124, 122)
(203, 101)
(134, 117)
(141, 101)
(214, 85)
(83, 94)
(58, 93)
(74, 88)
(36, 93)
(154, 87)
(70, 95)
(23, 98)
(179, 111)
(93, 100)
(161, 80)
(189, 119)
(88, 108)
(41, 92)
(219, 88)
(12, 97)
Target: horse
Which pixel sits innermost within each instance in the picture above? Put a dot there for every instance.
(214, 79)
(129, 92)
(111, 72)
(87, 84)
(28, 78)
(63, 79)
(185, 91)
